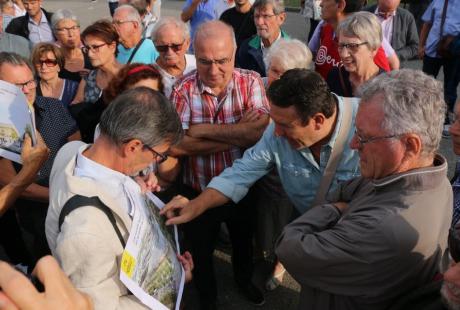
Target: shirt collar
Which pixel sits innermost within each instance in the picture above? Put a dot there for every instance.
(202, 88)
(262, 46)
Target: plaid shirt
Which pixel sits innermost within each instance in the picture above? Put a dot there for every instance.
(196, 104)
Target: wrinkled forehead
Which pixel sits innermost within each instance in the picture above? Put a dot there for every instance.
(264, 9)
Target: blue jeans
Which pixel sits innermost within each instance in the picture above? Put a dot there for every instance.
(451, 69)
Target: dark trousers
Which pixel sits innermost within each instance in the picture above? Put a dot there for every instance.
(451, 70)
(313, 24)
(13, 248)
(112, 7)
(201, 237)
(31, 216)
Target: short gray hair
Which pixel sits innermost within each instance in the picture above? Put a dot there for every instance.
(133, 14)
(62, 14)
(291, 53)
(139, 5)
(6, 4)
(363, 25)
(169, 20)
(278, 5)
(207, 30)
(14, 60)
(412, 102)
(144, 114)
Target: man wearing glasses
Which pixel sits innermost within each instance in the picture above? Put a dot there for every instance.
(269, 15)
(223, 111)
(35, 26)
(137, 130)
(56, 126)
(132, 48)
(383, 234)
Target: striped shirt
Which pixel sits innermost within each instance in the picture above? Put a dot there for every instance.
(196, 104)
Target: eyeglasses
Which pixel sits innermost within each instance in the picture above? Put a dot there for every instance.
(165, 48)
(263, 16)
(352, 47)
(66, 30)
(47, 62)
(218, 62)
(29, 84)
(94, 48)
(454, 243)
(118, 23)
(362, 141)
(163, 157)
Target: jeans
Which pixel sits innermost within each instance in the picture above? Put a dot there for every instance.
(451, 69)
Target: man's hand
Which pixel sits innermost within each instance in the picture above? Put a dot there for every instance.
(179, 211)
(33, 158)
(186, 261)
(250, 116)
(342, 206)
(148, 183)
(17, 292)
(421, 51)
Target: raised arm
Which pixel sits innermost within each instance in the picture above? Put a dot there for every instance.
(188, 11)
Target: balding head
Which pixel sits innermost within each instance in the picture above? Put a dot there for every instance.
(214, 30)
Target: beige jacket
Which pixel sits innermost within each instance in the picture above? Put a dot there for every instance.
(87, 247)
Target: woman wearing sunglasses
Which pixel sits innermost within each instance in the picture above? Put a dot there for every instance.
(172, 39)
(360, 37)
(48, 62)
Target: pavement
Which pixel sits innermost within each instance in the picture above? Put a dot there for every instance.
(286, 296)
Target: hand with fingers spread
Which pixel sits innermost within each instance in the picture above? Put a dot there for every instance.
(17, 292)
(187, 262)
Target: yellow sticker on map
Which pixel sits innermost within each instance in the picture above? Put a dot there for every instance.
(128, 262)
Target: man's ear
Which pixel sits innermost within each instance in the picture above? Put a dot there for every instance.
(341, 5)
(282, 17)
(318, 120)
(131, 147)
(413, 145)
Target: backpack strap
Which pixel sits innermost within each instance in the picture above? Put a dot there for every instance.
(78, 201)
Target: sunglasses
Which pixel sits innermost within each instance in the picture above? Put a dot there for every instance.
(165, 48)
(454, 243)
(47, 62)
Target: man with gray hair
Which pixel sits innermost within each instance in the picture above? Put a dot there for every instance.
(269, 15)
(132, 47)
(137, 129)
(223, 111)
(383, 234)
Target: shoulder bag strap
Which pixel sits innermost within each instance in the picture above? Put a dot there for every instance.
(135, 51)
(78, 201)
(336, 154)
(443, 17)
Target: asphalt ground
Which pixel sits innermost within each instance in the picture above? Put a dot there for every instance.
(286, 296)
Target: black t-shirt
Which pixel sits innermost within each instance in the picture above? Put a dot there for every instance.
(242, 24)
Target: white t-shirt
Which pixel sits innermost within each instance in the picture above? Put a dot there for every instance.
(169, 80)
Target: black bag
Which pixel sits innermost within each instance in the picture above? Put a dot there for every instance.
(87, 115)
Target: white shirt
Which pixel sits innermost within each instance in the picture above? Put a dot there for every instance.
(122, 187)
(387, 24)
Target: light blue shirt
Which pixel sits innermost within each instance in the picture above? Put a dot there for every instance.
(146, 54)
(433, 16)
(300, 174)
(205, 11)
(40, 32)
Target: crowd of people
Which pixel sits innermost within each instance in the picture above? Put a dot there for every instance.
(320, 157)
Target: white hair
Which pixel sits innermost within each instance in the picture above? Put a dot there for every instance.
(290, 53)
(170, 20)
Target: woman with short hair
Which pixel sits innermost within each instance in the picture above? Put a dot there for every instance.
(48, 62)
(360, 36)
(66, 29)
